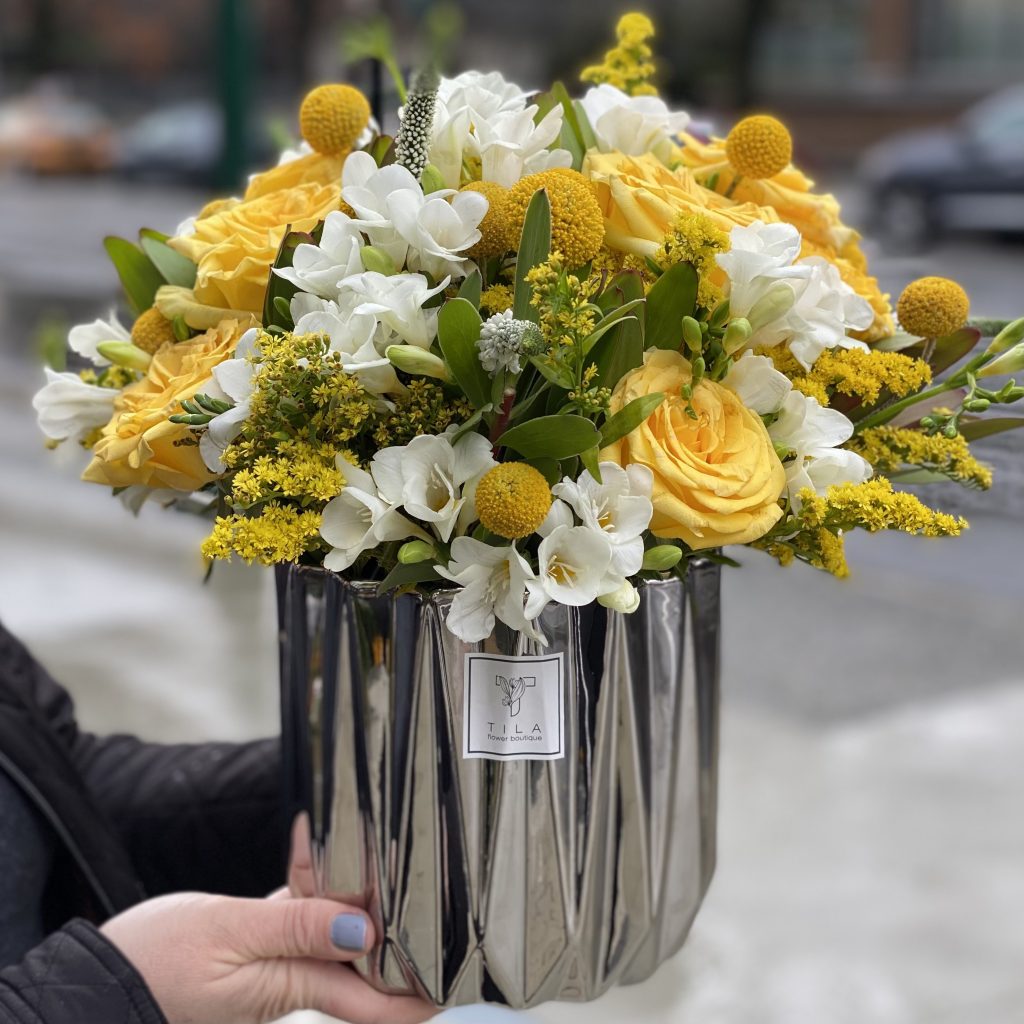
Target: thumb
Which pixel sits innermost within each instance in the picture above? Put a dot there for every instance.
(321, 929)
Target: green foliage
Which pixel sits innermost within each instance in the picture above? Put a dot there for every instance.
(552, 437)
(458, 329)
(534, 248)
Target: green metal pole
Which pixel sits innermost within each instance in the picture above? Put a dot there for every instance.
(234, 58)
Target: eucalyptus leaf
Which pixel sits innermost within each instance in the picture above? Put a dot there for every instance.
(534, 248)
(552, 437)
(629, 417)
(458, 330)
(278, 287)
(408, 576)
(620, 349)
(589, 458)
(599, 332)
(974, 430)
(548, 468)
(139, 276)
(175, 268)
(471, 289)
(672, 296)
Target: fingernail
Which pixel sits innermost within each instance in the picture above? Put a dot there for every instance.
(348, 931)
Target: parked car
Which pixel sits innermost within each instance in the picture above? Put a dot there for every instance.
(49, 132)
(967, 176)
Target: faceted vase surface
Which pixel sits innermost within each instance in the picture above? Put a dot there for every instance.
(508, 881)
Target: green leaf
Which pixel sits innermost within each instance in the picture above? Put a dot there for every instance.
(585, 129)
(471, 289)
(976, 429)
(572, 132)
(672, 296)
(558, 375)
(918, 476)
(408, 576)
(629, 417)
(622, 348)
(278, 287)
(552, 437)
(599, 332)
(548, 468)
(590, 464)
(468, 426)
(382, 149)
(949, 349)
(139, 277)
(175, 268)
(534, 248)
(458, 329)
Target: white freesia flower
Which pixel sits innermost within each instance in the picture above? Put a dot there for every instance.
(358, 337)
(423, 232)
(762, 265)
(319, 269)
(67, 407)
(434, 480)
(357, 520)
(437, 230)
(619, 507)
(485, 118)
(84, 338)
(493, 582)
(231, 381)
(396, 301)
(625, 599)
(632, 124)
(760, 387)
(572, 568)
(813, 434)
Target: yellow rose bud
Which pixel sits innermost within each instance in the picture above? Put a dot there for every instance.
(717, 479)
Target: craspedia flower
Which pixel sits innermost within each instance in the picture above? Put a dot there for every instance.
(332, 117)
(152, 330)
(577, 225)
(759, 147)
(932, 307)
(512, 500)
(496, 237)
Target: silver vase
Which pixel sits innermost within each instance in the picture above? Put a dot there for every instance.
(506, 880)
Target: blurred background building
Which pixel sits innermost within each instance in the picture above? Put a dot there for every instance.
(872, 773)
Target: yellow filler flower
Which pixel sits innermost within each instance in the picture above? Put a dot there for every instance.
(577, 224)
(512, 500)
(332, 117)
(932, 307)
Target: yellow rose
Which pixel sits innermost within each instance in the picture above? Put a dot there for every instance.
(235, 246)
(641, 200)
(140, 445)
(313, 168)
(717, 479)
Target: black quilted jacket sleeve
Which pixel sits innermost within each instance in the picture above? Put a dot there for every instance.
(76, 977)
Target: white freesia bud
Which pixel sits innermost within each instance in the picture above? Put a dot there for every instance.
(776, 302)
(377, 260)
(1012, 334)
(124, 353)
(1009, 362)
(626, 599)
(419, 361)
(737, 334)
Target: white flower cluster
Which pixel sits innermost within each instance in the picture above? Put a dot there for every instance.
(633, 125)
(592, 541)
(503, 340)
(482, 118)
(803, 303)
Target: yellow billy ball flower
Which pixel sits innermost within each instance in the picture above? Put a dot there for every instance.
(759, 147)
(332, 117)
(512, 500)
(931, 307)
(495, 229)
(577, 224)
(152, 330)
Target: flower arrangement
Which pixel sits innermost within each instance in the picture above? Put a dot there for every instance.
(533, 347)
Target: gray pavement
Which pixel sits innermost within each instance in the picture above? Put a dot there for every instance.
(872, 771)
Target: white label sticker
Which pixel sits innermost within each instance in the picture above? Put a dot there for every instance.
(514, 707)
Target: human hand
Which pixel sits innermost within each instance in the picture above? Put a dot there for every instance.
(217, 960)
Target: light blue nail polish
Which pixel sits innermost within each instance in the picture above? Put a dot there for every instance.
(348, 931)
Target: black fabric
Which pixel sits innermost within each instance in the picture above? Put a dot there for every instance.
(132, 819)
(76, 977)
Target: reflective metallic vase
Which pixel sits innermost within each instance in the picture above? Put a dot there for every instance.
(507, 881)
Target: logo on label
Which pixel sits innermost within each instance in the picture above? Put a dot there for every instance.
(514, 707)
(513, 690)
